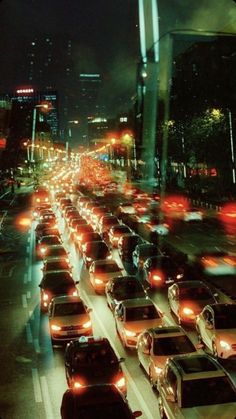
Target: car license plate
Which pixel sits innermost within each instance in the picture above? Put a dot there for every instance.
(70, 332)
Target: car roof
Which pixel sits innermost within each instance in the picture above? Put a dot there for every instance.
(138, 302)
(163, 331)
(66, 299)
(191, 284)
(197, 366)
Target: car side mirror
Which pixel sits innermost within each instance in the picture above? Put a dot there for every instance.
(89, 310)
(122, 359)
(76, 282)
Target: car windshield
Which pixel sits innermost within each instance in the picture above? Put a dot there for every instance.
(141, 313)
(100, 410)
(207, 391)
(173, 346)
(56, 265)
(69, 309)
(109, 268)
(52, 251)
(128, 288)
(56, 278)
(196, 293)
(226, 319)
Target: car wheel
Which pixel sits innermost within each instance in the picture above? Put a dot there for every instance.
(161, 409)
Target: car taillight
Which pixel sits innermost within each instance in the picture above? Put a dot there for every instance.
(45, 297)
(98, 281)
(109, 257)
(55, 328)
(121, 382)
(43, 250)
(87, 324)
(188, 311)
(74, 293)
(157, 278)
(77, 385)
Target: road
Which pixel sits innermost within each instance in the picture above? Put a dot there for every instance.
(32, 372)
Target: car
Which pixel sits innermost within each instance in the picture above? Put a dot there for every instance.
(41, 196)
(156, 225)
(157, 344)
(116, 231)
(88, 237)
(40, 229)
(196, 385)
(79, 230)
(57, 252)
(214, 263)
(216, 328)
(193, 214)
(101, 271)
(51, 231)
(69, 318)
(96, 213)
(45, 242)
(85, 237)
(54, 284)
(100, 401)
(125, 208)
(47, 217)
(186, 299)
(133, 316)
(142, 252)
(123, 288)
(37, 210)
(56, 265)
(126, 245)
(95, 250)
(161, 270)
(105, 223)
(92, 360)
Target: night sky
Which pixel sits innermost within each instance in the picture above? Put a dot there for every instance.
(104, 31)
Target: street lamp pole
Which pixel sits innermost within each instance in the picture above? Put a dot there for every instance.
(33, 134)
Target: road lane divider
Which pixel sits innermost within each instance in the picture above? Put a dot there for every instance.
(24, 301)
(36, 386)
(29, 336)
(46, 398)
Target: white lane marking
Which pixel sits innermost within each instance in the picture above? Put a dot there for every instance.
(29, 334)
(36, 385)
(28, 240)
(46, 398)
(26, 261)
(30, 273)
(24, 301)
(131, 381)
(28, 295)
(36, 346)
(25, 278)
(27, 249)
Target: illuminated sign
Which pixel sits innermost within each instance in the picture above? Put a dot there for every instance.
(25, 91)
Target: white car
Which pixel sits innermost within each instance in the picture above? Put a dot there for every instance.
(216, 328)
(155, 345)
(133, 316)
(69, 318)
(101, 271)
(193, 214)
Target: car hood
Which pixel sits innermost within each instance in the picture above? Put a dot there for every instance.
(222, 411)
(139, 325)
(72, 320)
(229, 335)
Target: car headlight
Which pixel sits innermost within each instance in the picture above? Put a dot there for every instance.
(75, 293)
(188, 311)
(43, 250)
(77, 385)
(179, 276)
(158, 370)
(129, 333)
(55, 328)
(121, 382)
(98, 281)
(225, 345)
(157, 278)
(109, 257)
(87, 324)
(45, 297)
(89, 259)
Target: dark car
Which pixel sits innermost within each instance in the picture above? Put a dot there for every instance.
(127, 244)
(161, 270)
(142, 252)
(117, 231)
(95, 250)
(56, 265)
(40, 229)
(54, 284)
(90, 360)
(97, 401)
(88, 237)
(79, 230)
(123, 288)
(45, 242)
(57, 252)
